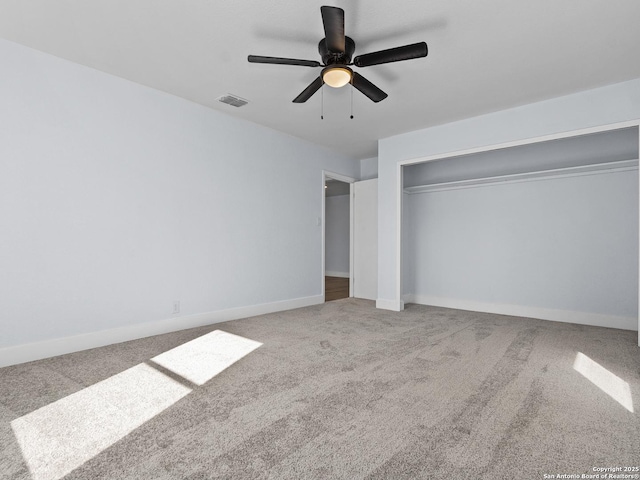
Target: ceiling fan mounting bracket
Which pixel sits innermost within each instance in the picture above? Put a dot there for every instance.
(340, 58)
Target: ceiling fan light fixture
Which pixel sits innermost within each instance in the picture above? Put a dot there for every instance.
(337, 76)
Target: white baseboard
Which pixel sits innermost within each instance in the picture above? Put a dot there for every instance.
(384, 304)
(567, 316)
(337, 274)
(60, 346)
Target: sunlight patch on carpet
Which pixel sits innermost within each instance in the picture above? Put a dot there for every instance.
(205, 357)
(606, 381)
(62, 436)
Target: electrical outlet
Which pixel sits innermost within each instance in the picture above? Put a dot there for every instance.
(176, 306)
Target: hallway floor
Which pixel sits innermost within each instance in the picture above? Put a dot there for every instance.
(335, 288)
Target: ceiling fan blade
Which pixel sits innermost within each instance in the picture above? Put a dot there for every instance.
(283, 61)
(368, 88)
(308, 92)
(397, 54)
(333, 21)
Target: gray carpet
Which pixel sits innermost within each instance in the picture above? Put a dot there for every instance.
(339, 390)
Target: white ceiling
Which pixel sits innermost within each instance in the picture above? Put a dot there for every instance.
(483, 55)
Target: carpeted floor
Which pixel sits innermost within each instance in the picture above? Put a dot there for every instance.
(339, 390)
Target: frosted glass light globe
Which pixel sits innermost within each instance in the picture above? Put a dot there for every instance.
(336, 77)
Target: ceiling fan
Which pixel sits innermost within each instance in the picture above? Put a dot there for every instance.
(336, 50)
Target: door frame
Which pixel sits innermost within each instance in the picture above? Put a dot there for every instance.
(486, 148)
(350, 180)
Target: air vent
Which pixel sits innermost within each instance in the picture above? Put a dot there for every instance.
(233, 100)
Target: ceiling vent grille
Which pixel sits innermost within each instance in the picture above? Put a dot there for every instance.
(232, 100)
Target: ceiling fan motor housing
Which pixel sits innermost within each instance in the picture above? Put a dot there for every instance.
(340, 58)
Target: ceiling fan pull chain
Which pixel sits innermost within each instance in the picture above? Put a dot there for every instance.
(351, 99)
(322, 103)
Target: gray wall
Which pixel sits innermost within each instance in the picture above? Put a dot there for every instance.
(116, 200)
(337, 235)
(568, 243)
(369, 168)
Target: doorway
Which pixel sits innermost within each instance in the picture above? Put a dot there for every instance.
(337, 234)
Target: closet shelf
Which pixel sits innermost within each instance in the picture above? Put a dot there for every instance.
(599, 168)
